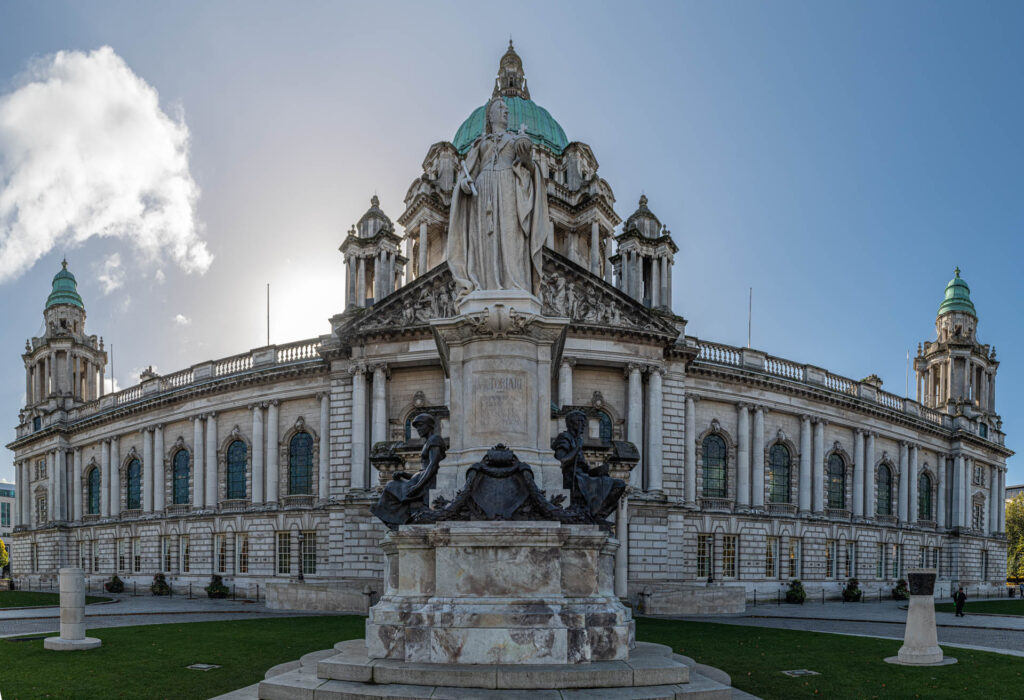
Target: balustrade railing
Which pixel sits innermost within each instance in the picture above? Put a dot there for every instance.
(303, 350)
(890, 400)
(719, 354)
(783, 368)
(173, 381)
(840, 384)
(232, 365)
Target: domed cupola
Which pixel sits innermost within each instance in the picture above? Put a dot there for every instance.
(958, 297)
(65, 289)
(510, 85)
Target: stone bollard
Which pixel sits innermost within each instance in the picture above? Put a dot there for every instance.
(920, 640)
(72, 614)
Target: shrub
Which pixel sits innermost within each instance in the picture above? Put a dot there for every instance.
(901, 592)
(217, 589)
(5, 558)
(159, 586)
(114, 585)
(796, 593)
(852, 592)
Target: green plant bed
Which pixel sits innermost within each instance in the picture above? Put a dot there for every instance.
(150, 661)
(850, 667)
(25, 599)
(1012, 606)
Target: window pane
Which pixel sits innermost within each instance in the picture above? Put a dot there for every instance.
(778, 474)
(884, 491)
(300, 464)
(134, 485)
(237, 453)
(181, 476)
(714, 467)
(924, 497)
(836, 482)
(94, 492)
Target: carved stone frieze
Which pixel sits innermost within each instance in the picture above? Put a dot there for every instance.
(416, 305)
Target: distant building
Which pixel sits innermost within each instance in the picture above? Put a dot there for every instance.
(6, 509)
(1013, 491)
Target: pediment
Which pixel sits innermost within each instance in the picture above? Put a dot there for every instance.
(413, 306)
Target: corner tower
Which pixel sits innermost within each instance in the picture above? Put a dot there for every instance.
(956, 370)
(644, 258)
(373, 265)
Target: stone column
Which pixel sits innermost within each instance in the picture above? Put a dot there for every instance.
(858, 473)
(102, 378)
(743, 456)
(818, 467)
(257, 453)
(965, 492)
(622, 553)
(104, 481)
(272, 452)
(666, 287)
(358, 474)
(211, 461)
(350, 283)
(76, 482)
(20, 499)
(940, 478)
(159, 477)
(635, 423)
(63, 504)
(197, 462)
(423, 249)
(595, 248)
(904, 479)
(912, 505)
(655, 291)
(361, 282)
(379, 412)
(958, 491)
(757, 478)
(655, 418)
(147, 470)
(408, 259)
(993, 500)
(324, 482)
(115, 476)
(869, 476)
(565, 382)
(805, 486)
(690, 438)
(72, 614)
(1002, 501)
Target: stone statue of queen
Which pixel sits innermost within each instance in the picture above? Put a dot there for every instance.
(499, 216)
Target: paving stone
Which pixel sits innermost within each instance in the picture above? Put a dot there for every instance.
(346, 690)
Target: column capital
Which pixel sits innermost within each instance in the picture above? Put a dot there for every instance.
(273, 403)
(904, 443)
(380, 367)
(632, 367)
(158, 426)
(321, 395)
(804, 418)
(255, 406)
(209, 416)
(198, 416)
(357, 368)
(858, 431)
(758, 408)
(743, 405)
(657, 368)
(818, 420)
(77, 450)
(694, 398)
(570, 361)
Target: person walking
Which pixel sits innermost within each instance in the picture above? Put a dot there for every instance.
(960, 598)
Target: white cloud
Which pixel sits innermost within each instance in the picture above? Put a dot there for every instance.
(111, 385)
(111, 274)
(160, 277)
(182, 320)
(85, 150)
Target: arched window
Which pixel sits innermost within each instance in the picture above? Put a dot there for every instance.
(778, 474)
(714, 467)
(300, 464)
(237, 453)
(93, 486)
(836, 482)
(134, 485)
(181, 474)
(604, 426)
(884, 490)
(924, 497)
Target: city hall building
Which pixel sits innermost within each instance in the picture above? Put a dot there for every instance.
(751, 470)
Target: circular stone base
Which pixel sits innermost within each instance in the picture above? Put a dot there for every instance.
(946, 661)
(60, 644)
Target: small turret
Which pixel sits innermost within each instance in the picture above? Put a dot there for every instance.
(373, 265)
(644, 258)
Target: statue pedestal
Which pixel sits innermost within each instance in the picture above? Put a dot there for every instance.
(498, 354)
(505, 592)
(920, 640)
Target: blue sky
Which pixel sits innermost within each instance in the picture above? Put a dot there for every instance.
(839, 158)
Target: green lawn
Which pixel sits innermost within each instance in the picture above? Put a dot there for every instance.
(1012, 606)
(24, 599)
(149, 661)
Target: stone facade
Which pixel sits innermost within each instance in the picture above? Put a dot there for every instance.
(753, 470)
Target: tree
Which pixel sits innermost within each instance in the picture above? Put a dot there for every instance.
(4, 556)
(1015, 538)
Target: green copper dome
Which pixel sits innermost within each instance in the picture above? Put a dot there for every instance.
(541, 127)
(958, 297)
(65, 289)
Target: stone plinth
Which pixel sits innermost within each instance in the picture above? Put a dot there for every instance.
(72, 614)
(920, 640)
(520, 592)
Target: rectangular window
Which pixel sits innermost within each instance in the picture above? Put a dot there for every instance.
(35, 558)
(851, 559)
(935, 558)
(121, 558)
(165, 552)
(703, 555)
(830, 558)
(242, 545)
(729, 556)
(880, 561)
(922, 554)
(82, 564)
(795, 565)
(5, 514)
(897, 561)
(771, 558)
(308, 553)
(95, 556)
(185, 554)
(222, 553)
(284, 553)
(984, 564)
(978, 517)
(136, 556)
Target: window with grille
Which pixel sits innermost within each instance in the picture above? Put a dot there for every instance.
(897, 560)
(221, 546)
(851, 559)
(300, 464)
(92, 481)
(836, 485)
(714, 467)
(935, 558)
(924, 497)
(122, 559)
(165, 552)
(185, 552)
(35, 558)
(984, 564)
(5, 514)
(922, 557)
(830, 558)
(884, 490)
(237, 457)
(771, 557)
(880, 561)
(41, 511)
(979, 476)
(182, 470)
(703, 555)
(978, 515)
(778, 474)
(308, 553)
(82, 563)
(134, 485)
(794, 558)
(136, 556)
(242, 545)
(284, 553)
(95, 556)
(729, 548)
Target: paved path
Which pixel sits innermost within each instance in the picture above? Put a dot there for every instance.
(886, 619)
(127, 610)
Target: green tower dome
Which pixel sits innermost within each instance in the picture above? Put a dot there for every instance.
(65, 289)
(958, 297)
(510, 85)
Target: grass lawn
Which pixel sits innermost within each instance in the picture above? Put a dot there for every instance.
(850, 667)
(1012, 606)
(24, 599)
(149, 661)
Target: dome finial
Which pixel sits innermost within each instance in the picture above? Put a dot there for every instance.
(374, 201)
(956, 271)
(511, 80)
(64, 263)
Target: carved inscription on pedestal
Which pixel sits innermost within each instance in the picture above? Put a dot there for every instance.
(500, 403)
